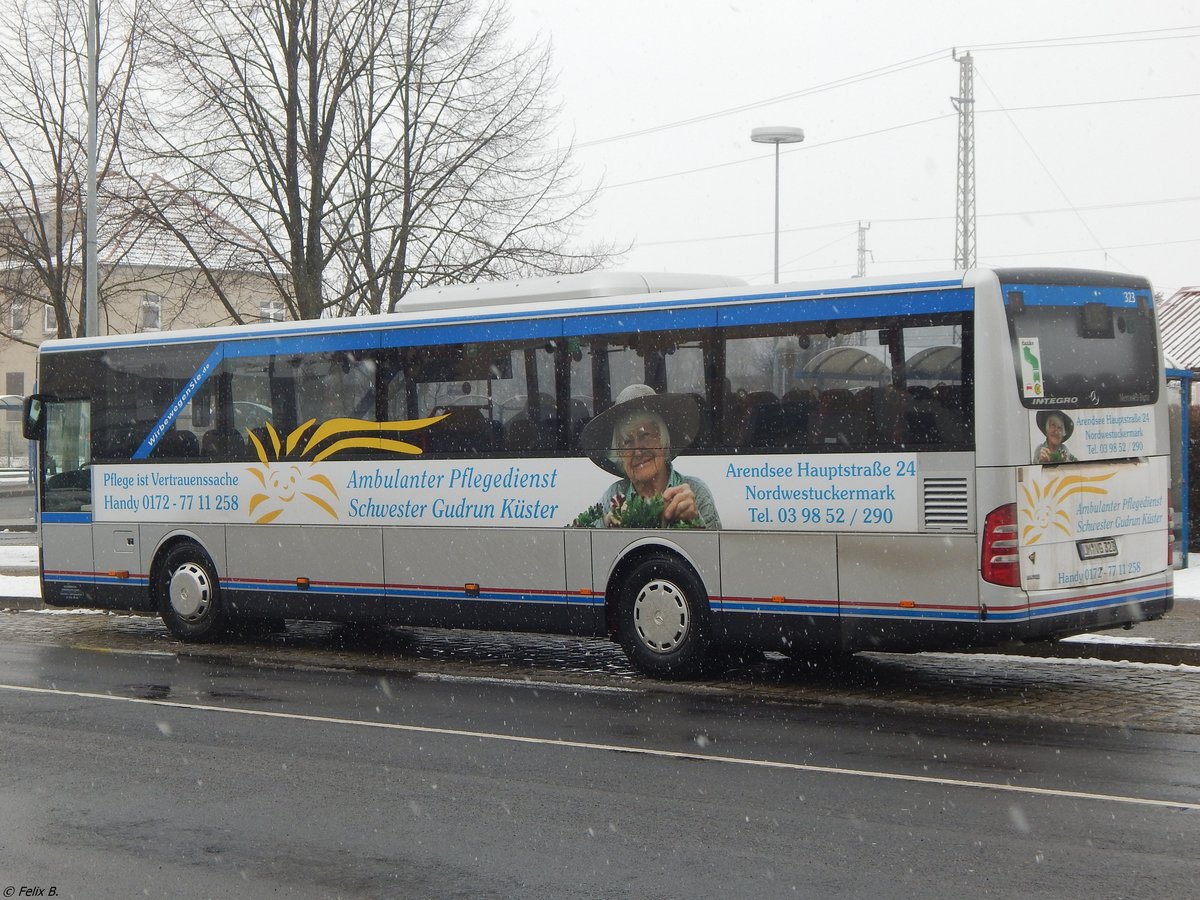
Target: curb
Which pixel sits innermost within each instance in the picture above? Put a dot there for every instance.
(1159, 653)
(22, 604)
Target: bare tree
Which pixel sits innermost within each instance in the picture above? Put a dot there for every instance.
(462, 181)
(356, 148)
(43, 151)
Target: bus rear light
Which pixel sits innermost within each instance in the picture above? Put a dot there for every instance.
(1000, 562)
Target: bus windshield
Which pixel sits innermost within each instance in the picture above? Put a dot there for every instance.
(1083, 347)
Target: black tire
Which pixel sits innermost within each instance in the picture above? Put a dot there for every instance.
(189, 595)
(663, 618)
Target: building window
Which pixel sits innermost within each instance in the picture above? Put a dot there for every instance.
(151, 312)
(50, 322)
(20, 315)
(271, 311)
(14, 386)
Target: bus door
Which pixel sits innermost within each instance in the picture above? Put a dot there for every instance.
(65, 499)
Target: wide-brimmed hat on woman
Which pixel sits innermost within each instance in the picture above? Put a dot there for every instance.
(679, 411)
(1044, 416)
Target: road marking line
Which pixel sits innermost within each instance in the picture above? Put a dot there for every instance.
(613, 748)
(527, 683)
(118, 651)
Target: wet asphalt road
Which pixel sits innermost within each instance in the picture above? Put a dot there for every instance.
(342, 762)
(134, 768)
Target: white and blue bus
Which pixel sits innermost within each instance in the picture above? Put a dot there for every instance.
(948, 461)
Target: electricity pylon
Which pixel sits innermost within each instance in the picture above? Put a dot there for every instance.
(964, 103)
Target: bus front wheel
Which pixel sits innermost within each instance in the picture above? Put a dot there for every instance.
(189, 595)
(663, 618)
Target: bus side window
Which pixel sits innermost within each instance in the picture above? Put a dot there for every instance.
(890, 407)
(919, 426)
(222, 445)
(177, 444)
(835, 423)
(796, 408)
(760, 421)
(534, 427)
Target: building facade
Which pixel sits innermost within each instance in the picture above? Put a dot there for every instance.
(134, 298)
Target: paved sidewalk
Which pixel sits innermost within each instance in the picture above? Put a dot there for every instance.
(15, 488)
(1172, 640)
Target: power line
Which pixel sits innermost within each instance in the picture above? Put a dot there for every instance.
(789, 265)
(903, 220)
(1124, 37)
(1045, 168)
(993, 256)
(1117, 37)
(758, 104)
(755, 159)
(1107, 252)
(1112, 100)
(891, 128)
(816, 250)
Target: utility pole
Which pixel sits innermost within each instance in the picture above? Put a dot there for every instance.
(91, 314)
(862, 249)
(964, 104)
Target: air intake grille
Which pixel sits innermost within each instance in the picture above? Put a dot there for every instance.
(946, 504)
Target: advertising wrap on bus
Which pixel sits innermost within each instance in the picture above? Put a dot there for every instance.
(1104, 433)
(1091, 523)
(831, 492)
(864, 464)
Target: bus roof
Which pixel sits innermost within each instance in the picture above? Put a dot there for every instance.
(552, 295)
(580, 286)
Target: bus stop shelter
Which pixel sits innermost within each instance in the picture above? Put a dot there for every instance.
(1179, 324)
(1184, 482)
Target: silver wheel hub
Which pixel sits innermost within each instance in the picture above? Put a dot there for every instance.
(190, 592)
(660, 615)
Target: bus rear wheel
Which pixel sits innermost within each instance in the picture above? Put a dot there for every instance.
(663, 621)
(189, 595)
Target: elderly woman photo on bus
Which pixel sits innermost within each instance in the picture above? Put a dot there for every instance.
(1057, 426)
(637, 438)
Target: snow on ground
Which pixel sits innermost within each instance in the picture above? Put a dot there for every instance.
(18, 557)
(20, 586)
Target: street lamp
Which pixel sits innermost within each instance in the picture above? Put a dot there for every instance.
(777, 134)
(91, 314)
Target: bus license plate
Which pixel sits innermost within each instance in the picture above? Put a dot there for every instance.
(1098, 549)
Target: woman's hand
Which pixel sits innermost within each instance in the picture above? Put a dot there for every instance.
(679, 504)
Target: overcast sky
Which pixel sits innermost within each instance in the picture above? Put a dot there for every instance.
(1086, 131)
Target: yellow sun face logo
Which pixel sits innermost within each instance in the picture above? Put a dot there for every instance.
(1047, 508)
(283, 483)
(286, 473)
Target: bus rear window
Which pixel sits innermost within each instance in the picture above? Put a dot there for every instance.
(1083, 346)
